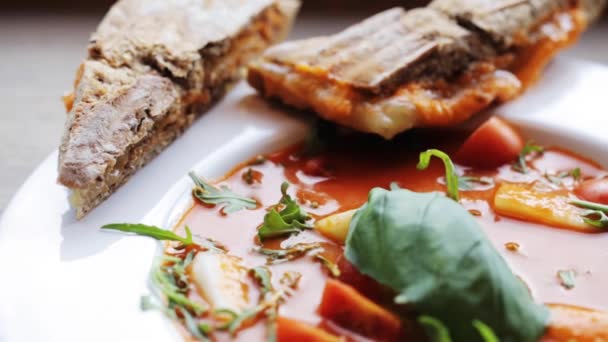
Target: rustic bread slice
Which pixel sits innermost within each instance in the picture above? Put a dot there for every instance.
(152, 68)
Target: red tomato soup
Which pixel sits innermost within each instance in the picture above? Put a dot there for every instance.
(536, 245)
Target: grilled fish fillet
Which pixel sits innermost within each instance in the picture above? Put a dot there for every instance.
(433, 66)
(153, 66)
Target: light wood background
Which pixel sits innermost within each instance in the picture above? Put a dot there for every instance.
(40, 50)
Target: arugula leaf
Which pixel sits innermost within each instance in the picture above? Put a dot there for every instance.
(521, 165)
(152, 231)
(209, 194)
(451, 178)
(289, 220)
(468, 183)
(432, 252)
(557, 179)
(270, 299)
(596, 215)
(566, 278)
(169, 277)
(276, 256)
(164, 278)
(271, 324)
(436, 331)
(193, 326)
(262, 275)
(575, 173)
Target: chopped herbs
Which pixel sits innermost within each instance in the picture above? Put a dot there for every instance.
(522, 165)
(468, 183)
(331, 266)
(170, 278)
(252, 176)
(270, 299)
(262, 276)
(258, 160)
(557, 179)
(566, 278)
(277, 256)
(576, 174)
(196, 329)
(596, 215)
(209, 194)
(248, 314)
(291, 279)
(152, 231)
(248, 176)
(451, 177)
(285, 218)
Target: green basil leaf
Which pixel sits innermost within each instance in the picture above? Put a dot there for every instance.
(432, 252)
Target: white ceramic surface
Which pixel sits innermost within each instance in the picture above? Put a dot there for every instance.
(63, 280)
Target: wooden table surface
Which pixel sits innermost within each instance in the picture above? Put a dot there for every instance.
(38, 58)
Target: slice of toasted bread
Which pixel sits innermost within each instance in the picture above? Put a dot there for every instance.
(432, 66)
(152, 68)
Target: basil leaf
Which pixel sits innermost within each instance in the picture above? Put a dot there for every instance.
(451, 178)
(431, 251)
(152, 231)
(209, 194)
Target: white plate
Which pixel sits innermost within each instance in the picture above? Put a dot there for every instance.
(63, 280)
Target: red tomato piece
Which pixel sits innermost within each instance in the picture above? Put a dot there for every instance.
(493, 144)
(594, 190)
(289, 330)
(346, 307)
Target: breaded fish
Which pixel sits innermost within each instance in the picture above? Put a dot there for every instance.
(433, 66)
(153, 66)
